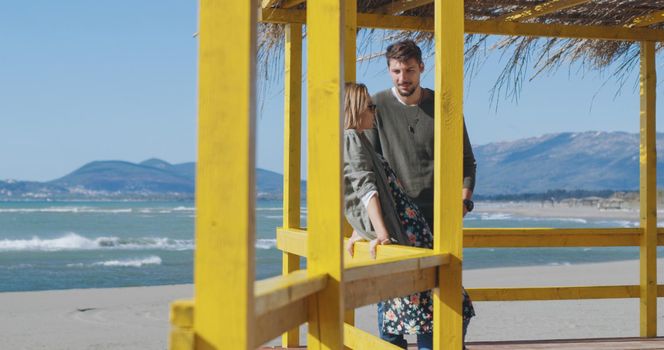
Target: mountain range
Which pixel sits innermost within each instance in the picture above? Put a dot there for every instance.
(565, 161)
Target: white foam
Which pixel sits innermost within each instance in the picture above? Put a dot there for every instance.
(73, 241)
(151, 260)
(184, 208)
(270, 209)
(265, 243)
(74, 210)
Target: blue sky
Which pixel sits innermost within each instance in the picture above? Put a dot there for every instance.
(83, 81)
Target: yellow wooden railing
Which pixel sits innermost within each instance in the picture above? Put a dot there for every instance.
(232, 311)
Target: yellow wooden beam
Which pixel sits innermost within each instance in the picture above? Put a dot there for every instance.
(553, 293)
(563, 31)
(273, 293)
(409, 23)
(649, 19)
(648, 193)
(550, 237)
(377, 268)
(181, 336)
(181, 339)
(273, 323)
(225, 233)
(350, 40)
(356, 338)
(550, 6)
(292, 124)
(448, 165)
(325, 44)
(292, 140)
(399, 6)
(291, 3)
(371, 290)
(295, 241)
(182, 313)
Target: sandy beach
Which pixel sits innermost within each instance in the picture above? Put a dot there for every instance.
(137, 318)
(558, 210)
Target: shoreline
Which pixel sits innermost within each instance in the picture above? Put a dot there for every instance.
(137, 317)
(556, 210)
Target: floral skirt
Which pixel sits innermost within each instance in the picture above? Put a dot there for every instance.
(413, 314)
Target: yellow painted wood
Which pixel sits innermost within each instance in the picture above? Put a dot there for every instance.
(350, 39)
(562, 31)
(350, 67)
(356, 338)
(553, 293)
(325, 45)
(182, 313)
(448, 149)
(541, 10)
(649, 19)
(292, 142)
(292, 241)
(181, 339)
(225, 237)
(273, 293)
(292, 124)
(392, 8)
(368, 269)
(290, 263)
(295, 241)
(373, 289)
(273, 323)
(648, 193)
(550, 237)
(410, 23)
(181, 336)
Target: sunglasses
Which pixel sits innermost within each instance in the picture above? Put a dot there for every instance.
(372, 107)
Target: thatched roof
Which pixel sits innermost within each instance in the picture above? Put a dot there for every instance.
(542, 54)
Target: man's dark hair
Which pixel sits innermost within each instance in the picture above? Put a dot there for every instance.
(402, 51)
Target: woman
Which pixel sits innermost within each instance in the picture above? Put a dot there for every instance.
(380, 211)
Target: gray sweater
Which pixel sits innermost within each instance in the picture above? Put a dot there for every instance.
(403, 135)
(363, 173)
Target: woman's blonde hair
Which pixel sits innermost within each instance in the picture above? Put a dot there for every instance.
(356, 100)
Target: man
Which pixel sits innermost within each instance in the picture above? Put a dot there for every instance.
(403, 135)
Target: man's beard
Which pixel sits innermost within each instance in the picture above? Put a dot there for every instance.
(407, 93)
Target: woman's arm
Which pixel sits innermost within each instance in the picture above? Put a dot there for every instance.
(376, 217)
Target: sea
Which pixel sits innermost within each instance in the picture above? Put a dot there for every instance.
(65, 245)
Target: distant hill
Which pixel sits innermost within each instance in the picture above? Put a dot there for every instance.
(569, 161)
(591, 161)
(150, 179)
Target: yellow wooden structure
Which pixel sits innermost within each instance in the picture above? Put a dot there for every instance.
(231, 311)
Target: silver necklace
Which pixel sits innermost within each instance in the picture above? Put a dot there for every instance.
(411, 126)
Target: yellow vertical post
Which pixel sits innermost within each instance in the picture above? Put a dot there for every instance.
(350, 49)
(225, 189)
(350, 60)
(292, 136)
(449, 38)
(325, 32)
(648, 193)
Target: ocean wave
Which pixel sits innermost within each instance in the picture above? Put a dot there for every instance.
(67, 210)
(265, 243)
(152, 260)
(73, 241)
(136, 262)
